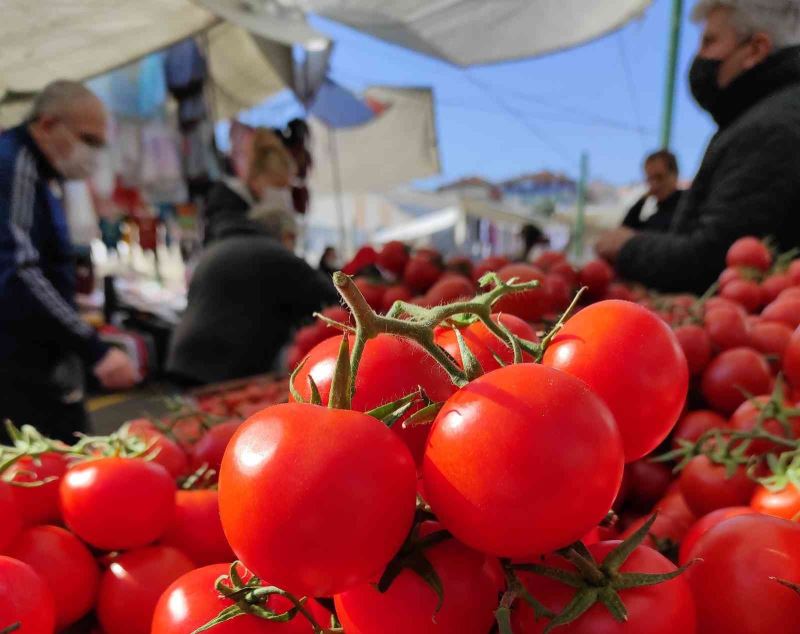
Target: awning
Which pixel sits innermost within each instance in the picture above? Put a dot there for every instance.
(467, 32)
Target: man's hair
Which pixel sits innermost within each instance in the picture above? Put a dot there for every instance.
(57, 97)
(277, 222)
(670, 160)
(780, 19)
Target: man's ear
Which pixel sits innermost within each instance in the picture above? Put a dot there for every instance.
(46, 122)
(760, 47)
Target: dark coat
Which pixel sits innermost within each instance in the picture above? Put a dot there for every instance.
(747, 184)
(659, 221)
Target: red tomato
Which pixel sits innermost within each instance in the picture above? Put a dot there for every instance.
(196, 528)
(774, 285)
(783, 310)
(730, 373)
(503, 501)
(38, 505)
(792, 292)
(749, 252)
(794, 272)
(397, 293)
(372, 291)
(451, 287)
(665, 531)
(666, 608)
(675, 506)
(744, 292)
(746, 417)
(529, 305)
(695, 424)
(619, 349)
(460, 264)
(11, 524)
(617, 290)
(191, 602)
(729, 275)
(726, 327)
(470, 598)
(705, 524)
(117, 503)
(706, 487)
(784, 503)
(733, 589)
(211, 447)
(492, 264)
(720, 302)
(484, 344)
(558, 292)
(25, 598)
(133, 584)
(647, 483)
(791, 360)
(390, 369)
(393, 257)
(421, 273)
(309, 336)
(548, 259)
(596, 275)
(771, 338)
(566, 271)
(167, 452)
(696, 345)
(65, 565)
(289, 470)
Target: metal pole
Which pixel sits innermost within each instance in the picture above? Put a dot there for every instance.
(577, 238)
(672, 71)
(337, 189)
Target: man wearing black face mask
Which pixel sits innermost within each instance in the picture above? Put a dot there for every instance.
(43, 340)
(747, 76)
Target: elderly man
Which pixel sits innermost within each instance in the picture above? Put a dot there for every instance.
(747, 76)
(43, 341)
(661, 170)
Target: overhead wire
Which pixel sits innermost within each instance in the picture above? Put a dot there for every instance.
(631, 85)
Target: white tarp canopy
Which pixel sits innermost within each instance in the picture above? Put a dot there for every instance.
(467, 32)
(397, 146)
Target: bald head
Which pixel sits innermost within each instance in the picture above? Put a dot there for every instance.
(67, 117)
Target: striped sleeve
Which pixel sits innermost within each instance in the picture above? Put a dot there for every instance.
(21, 217)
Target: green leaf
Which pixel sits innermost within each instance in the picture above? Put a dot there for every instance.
(298, 398)
(11, 628)
(384, 411)
(470, 363)
(227, 614)
(424, 569)
(424, 416)
(316, 399)
(340, 385)
(577, 607)
(503, 617)
(618, 556)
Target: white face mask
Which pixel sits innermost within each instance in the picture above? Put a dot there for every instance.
(277, 198)
(80, 164)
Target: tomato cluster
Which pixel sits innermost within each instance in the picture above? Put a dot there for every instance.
(463, 467)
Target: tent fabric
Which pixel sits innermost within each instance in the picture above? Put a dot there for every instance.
(468, 32)
(396, 147)
(337, 107)
(63, 39)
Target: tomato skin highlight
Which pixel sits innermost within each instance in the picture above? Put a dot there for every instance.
(192, 601)
(25, 598)
(705, 524)
(620, 349)
(502, 501)
(285, 478)
(784, 504)
(732, 587)
(470, 598)
(118, 503)
(666, 608)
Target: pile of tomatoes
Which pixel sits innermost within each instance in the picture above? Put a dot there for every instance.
(427, 504)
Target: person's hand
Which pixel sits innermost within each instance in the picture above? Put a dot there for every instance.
(610, 243)
(116, 371)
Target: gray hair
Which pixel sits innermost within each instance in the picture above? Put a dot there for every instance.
(58, 97)
(277, 222)
(780, 19)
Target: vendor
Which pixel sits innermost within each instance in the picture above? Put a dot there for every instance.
(747, 76)
(655, 210)
(247, 294)
(44, 343)
(270, 172)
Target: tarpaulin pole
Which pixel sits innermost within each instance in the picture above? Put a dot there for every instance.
(672, 70)
(337, 189)
(580, 214)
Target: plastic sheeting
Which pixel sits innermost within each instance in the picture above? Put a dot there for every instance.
(467, 32)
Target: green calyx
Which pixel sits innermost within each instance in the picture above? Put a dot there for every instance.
(596, 582)
(251, 597)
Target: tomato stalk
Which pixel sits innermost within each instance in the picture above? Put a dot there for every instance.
(11, 628)
(597, 582)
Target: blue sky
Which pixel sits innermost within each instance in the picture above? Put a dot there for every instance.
(506, 119)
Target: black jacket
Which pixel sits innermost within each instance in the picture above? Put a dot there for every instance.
(747, 184)
(246, 295)
(228, 201)
(660, 221)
